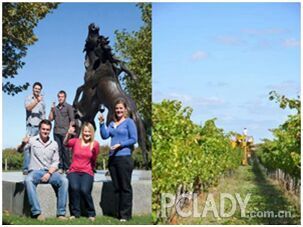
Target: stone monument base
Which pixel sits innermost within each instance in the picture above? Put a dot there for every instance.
(14, 198)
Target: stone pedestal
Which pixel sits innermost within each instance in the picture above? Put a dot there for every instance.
(15, 199)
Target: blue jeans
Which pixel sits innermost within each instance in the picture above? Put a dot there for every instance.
(63, 152)
(30, 131)
(80, 186)
(58, 182)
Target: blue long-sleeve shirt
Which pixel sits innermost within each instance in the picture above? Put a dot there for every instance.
(124, 134)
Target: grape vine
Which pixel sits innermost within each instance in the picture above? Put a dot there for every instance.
(283, 151)
(185, 153)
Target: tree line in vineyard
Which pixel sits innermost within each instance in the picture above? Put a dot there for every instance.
(283, 151)
(185, 154)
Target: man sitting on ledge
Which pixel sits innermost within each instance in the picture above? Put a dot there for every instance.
(44, 160)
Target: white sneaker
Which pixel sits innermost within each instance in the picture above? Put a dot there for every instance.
(61, 171)
(92, 218)
(40, 217)
(123, 220)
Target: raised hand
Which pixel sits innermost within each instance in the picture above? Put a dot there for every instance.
(39, 98)
(71, 129)
(53, 106)
(25, 139)
(101, 118)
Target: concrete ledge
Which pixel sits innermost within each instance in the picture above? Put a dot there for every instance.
(15, 199)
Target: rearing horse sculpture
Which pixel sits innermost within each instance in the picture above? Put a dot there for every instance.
(101, 85)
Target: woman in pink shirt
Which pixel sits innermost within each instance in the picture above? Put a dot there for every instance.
(81, 171)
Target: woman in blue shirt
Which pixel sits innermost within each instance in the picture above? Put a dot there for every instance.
(123, 133)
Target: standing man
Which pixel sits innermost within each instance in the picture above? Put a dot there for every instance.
(245, 133)
(63, 114)
(43, 164)
(35, 113)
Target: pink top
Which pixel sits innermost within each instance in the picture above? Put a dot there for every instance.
(83, 158)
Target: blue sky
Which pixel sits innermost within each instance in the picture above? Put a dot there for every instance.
(56, 59)
(223, 59)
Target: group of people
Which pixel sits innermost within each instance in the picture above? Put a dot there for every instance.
(48, 161)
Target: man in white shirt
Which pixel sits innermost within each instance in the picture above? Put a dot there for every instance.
(44, 160)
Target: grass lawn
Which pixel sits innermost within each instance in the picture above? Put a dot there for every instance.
(265, 196)
(8, 219)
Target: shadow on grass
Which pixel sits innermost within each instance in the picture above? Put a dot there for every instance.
(272, 201)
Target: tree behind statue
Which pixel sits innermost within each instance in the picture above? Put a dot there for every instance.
(136, 48)
(18, 23)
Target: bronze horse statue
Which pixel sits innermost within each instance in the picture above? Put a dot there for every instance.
(101, 85)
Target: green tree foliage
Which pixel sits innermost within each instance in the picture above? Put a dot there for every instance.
(283, 152)
(18, 23)
(14, 159)
(135, 49)
(185, 153)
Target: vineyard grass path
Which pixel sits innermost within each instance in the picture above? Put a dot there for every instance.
(265, 196)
